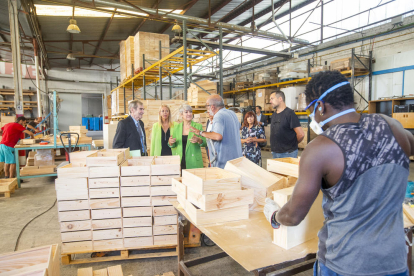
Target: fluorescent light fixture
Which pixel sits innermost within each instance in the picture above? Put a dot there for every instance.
(73, 28)
(70, 57)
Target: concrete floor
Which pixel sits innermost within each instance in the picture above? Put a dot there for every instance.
(38, 194)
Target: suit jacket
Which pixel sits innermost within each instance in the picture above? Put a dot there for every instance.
(127, 136)
(263, 119)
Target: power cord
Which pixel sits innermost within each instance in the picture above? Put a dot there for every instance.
(21, 231)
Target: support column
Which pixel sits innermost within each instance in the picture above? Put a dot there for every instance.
(15, 46)
(185, 58)
(143, 77)
(370, 78)
(160, 70)
(133, 88)
(39, 102)
(169, 78)
(321, 21)
(221, 60)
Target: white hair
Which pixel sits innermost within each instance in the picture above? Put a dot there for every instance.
(134, 104)
(185, 107)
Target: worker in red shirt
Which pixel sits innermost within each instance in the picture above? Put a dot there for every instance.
(11, 134)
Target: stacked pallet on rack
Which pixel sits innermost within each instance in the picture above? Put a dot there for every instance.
(196, 96)
(151, 115)
(149, 44)
(119, 105)
(361, 63)
(212, 195)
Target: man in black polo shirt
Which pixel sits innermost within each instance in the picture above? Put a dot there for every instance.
(286, 132)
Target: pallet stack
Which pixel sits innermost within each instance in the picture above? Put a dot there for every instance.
(196, 96)
(149, 44)
(117, 202)
(152, 108)
(117, 100)
(212, 195)
(346, 63)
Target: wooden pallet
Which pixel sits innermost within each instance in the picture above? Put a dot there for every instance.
(357, 70)
(126, 254)
(8, 186)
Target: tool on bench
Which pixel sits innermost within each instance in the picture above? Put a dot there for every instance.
(69, 136)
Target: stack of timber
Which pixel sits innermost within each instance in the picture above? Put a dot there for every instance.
(126, 57)
(212, 195)
(255, 177)
(245, 84)
(291, 236)
(122, 60)
(118, 104)
(346, 63)
(116, 202)
(82, 132)
(8, 186)
(149, 44)
(110, 271)
(39, 261)
(196, 96)
(151, 115)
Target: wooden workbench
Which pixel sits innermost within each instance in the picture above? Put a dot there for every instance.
(248, 242)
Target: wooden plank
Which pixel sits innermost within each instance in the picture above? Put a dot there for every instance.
(288, 237)
(137, 222)
(72, 194)
(165, 229)
(224, 215)
(100, 172)
(135, 181)
(137, 166)
(75, 247)
(137, 232)
(74, 215)
(223, 200)
(211, 180)
(106, 223)
(166, 165)
(76, 236)
(104, 203)
(108, 245)
(163, 180)
(107, 234)
(104, 193)
(164, 211)
(162, 200)
(108, 182)
(165, 240)
(100, 272)
(138, 242)
(409, 212)
(85, 271)
(105, 158)
(135, 191)
(287, 166)
(162, 191)
(73, 205)
(257, 178)
(178, 187)
(165, 220)
(70, 171)
(75, 226)
(106, 213)
(68, 183)
(135, 201)
(137, 212)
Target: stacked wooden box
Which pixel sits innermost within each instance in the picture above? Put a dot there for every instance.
(346, 63)
(117, 202)
(39, 261)
(149, 44)
(197, 96)
(202, 119)
(117, 101)
(152, 108)
(212, 195)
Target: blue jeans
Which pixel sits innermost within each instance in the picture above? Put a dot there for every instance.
(319, 269)
(293, 154)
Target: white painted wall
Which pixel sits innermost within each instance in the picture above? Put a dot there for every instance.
(70, 113)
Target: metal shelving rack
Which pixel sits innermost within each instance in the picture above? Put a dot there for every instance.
(37, 147)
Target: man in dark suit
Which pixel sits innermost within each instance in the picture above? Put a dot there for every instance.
(261, 118)
(130, 132)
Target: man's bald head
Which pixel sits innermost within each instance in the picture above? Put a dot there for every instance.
(214, 104)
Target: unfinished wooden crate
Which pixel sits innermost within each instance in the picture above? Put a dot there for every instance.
(255, 177)
(41, 261)
(166, 165)
(287, 166)
(137, 166)
(105, 158)
(211, 180)
(8, 186)
(291, 236)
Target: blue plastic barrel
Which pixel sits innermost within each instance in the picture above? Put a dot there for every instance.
(85, 122)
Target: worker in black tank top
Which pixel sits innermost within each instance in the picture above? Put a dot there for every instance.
(362, 161)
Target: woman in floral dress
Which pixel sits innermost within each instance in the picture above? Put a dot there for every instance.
(251, 135)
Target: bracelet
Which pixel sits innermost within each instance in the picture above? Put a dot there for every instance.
(274, 223)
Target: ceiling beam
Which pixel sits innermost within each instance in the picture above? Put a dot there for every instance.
(263, 12)
(145, 19)
(240, 10)
(108, 24)
(187, 7)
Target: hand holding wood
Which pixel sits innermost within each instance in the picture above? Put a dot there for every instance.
(271, 207)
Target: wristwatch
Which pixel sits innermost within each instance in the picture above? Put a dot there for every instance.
(201, 133)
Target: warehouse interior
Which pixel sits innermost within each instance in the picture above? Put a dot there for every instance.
(73, 67)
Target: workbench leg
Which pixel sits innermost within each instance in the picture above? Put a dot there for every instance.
(180, 247)
(410, 250)
(16, 157)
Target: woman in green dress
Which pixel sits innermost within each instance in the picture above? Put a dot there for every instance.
(185, 143)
